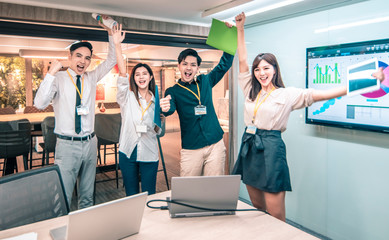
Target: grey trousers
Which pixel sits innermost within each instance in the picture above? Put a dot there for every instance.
(77, 158)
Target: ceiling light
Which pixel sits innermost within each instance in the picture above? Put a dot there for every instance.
(273, 6)
(25, 46)
(27, 53)
(129, 46)
(223, 7)
(353, 24)
(247, 8)
(68, 46)
(36, 38)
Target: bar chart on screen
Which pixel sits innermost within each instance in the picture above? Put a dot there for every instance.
(327, 74)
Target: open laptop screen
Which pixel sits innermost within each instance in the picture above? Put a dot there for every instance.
(108, 221)
(213, 192)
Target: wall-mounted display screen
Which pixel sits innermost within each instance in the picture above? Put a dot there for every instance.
(327, 67)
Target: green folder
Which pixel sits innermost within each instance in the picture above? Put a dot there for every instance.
(222, 37)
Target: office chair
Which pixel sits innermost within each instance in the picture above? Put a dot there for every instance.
(49, 139)
(107, 129)
(7, 110)
(14, 141)
(36, 130)
(32, 196)
(109, 105)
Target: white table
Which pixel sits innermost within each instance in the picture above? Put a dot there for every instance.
(157, 224)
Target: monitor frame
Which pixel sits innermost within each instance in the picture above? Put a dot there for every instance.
(355, 48)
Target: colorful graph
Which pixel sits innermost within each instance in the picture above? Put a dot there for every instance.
(384, 85)
(371, 96)
(328, 76)
(326, 105)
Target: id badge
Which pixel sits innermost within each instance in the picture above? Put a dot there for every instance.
(141, 128)
(200, 110)
(82, 110)
(251, 129)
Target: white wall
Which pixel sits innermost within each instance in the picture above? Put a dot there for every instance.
(339, 176)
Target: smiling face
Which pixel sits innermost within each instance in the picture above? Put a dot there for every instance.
(264, 73)
(188, 68)
(142, 78)
(80, 60)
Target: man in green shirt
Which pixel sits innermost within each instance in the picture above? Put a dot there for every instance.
(203, 151)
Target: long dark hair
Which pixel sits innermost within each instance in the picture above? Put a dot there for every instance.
(133, 85)
(277, 79)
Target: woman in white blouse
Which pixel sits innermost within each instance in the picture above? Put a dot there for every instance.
(268, 104)
(138, 146)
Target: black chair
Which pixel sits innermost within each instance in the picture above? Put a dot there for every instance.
(32, 109)
(49, 139)
(7, 110)
(36, 130)
(107, 129)
(32, 196)
(15, 137)
(109, 105)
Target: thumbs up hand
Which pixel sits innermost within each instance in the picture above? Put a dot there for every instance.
(165, 103)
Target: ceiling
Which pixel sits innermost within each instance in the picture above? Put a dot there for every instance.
(178, 11)
(190, 11)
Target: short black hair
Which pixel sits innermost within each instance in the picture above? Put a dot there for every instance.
(189, 52)
(81, 44)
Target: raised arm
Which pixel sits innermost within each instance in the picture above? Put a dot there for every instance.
(242, 50)
(319, 95)
(122, 83)
(106, 66)
(47, 88)
(118, 36)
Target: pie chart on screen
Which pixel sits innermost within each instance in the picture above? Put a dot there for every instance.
(384, 85)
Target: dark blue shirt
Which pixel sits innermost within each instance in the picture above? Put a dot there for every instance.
(198, 131)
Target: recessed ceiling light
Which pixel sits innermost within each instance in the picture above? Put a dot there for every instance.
(353, 24)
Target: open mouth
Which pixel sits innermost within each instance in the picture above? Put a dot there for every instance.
(80, 68)
(188, 74)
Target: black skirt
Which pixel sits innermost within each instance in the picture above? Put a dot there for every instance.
(262, 161)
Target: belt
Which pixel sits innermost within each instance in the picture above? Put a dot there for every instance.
(85, 138)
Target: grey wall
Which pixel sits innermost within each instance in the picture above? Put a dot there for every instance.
(339, 176)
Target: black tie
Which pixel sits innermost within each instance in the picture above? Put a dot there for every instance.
(77, 121)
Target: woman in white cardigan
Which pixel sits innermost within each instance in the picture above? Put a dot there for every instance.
(138, 146)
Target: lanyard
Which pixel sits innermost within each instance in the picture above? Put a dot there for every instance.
(144, 110)
(257, 105)
(198, 90)
(82, 85)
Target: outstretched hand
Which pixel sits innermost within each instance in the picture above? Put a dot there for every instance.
(239, 20)
(379, 74)
(117, 34)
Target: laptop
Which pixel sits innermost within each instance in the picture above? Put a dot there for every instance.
(111, 220)
(220, 193)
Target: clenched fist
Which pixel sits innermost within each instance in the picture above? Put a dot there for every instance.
(165, 103)
(55, 67)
